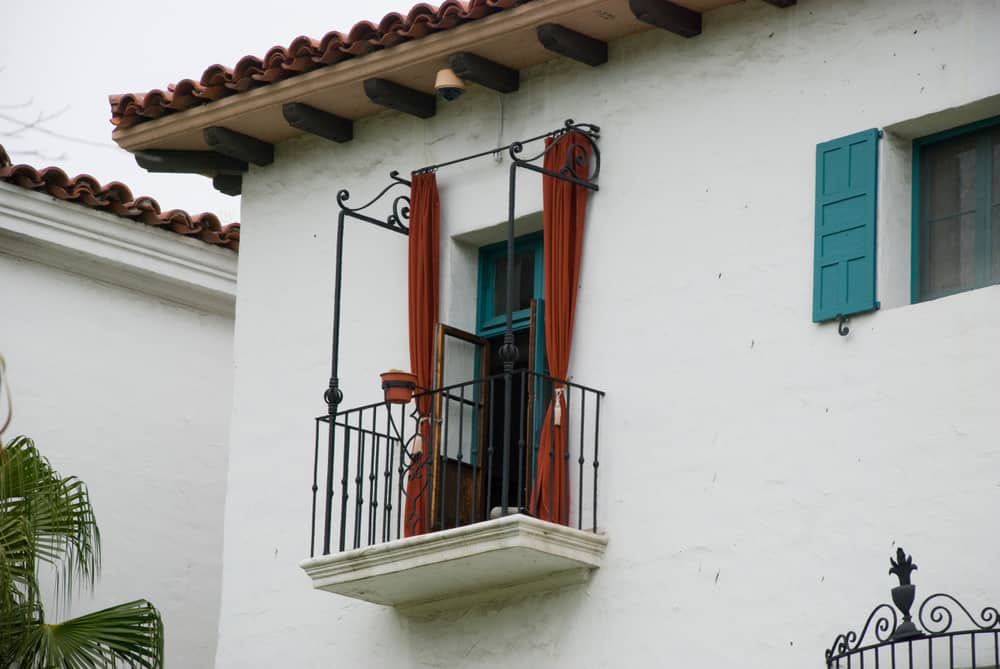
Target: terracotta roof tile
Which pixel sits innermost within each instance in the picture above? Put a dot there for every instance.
(303, 54)
(116, 198)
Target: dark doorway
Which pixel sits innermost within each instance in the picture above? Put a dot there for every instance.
(515, 471)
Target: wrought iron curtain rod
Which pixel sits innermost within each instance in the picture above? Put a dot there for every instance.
(567, 126)
(581, 167)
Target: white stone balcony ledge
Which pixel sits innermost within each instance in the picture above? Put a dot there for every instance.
(484, 562)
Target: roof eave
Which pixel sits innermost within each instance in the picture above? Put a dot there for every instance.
(180, 130)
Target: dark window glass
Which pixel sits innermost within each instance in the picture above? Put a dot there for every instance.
(949, 185)
(951, 246)
(995, 206)
(996, 243)
(524, 282)
(959, 216)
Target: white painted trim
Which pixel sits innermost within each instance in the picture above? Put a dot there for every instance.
(101, 246)
(516, 543)
(496, 595)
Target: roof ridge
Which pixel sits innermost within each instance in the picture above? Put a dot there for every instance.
(116, 198)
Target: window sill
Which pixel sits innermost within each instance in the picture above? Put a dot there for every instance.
(950, 293)
(485, 562)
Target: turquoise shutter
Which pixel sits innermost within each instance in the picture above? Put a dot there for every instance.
(844, 260)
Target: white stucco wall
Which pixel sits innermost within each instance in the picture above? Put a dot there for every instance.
(131, 393)
(753, 499)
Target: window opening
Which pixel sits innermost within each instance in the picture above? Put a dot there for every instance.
(956, 219)
(492, 293)
(529, 337)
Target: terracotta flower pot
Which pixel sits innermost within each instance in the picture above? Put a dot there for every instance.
(398, 386)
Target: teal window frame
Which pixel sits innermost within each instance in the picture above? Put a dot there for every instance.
(984, 205)
(488, 325)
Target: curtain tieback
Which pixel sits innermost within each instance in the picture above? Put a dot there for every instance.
(557, 409)
(418, 440)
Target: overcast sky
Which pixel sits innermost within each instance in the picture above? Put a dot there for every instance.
(63, 59)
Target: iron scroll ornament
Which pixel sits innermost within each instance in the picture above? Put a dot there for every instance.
(938, 618)
(886, 621)
(398, 218)
(936, 615)
(408, 447)
(577, 167)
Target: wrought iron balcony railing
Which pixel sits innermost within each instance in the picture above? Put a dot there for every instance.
(371, 483)
(943, 633)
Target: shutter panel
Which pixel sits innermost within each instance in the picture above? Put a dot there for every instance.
(844, 261)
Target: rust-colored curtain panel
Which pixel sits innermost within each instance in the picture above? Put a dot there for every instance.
(425, 215)
(564, 208)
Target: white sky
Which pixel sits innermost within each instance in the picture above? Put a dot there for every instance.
(71, 55)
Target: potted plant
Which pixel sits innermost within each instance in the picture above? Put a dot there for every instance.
(398, 386)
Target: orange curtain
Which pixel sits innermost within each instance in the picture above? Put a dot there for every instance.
(425, 214)
(564, 208)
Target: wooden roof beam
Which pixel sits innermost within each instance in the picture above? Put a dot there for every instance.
(401, 98)
(208, 163)
(565, 42)
(318, 122)
(485, 72)
(668, 16)
(239, 146)
(228, 184)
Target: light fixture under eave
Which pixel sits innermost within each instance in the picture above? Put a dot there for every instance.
(448, 84)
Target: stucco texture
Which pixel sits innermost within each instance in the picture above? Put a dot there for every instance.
(757, 470)
(131, 394)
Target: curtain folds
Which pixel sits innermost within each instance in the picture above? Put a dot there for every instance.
(564, 209)
(425, 214)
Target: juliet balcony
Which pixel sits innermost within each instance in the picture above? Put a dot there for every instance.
(470, 492)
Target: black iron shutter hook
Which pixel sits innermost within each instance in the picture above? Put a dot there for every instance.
(842, 328)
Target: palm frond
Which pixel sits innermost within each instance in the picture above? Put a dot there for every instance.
(45, 517)
(19, 595)
(17, 552)
(62, 529)
(129, 635)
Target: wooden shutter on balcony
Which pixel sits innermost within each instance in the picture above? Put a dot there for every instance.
(844, 254)
(469, 355)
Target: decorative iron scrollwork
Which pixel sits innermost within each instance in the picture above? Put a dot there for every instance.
(936, 615)
(399, 214)
(939, 617)
(885, 625)
(410, 462)
(582, 167)
(902, 566)
(578, 166)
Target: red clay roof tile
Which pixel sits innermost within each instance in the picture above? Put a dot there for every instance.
(116, 198)
(302, 55)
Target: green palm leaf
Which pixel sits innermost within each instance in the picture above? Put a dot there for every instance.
(128, 635)
(45, 517)
(61, 525)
